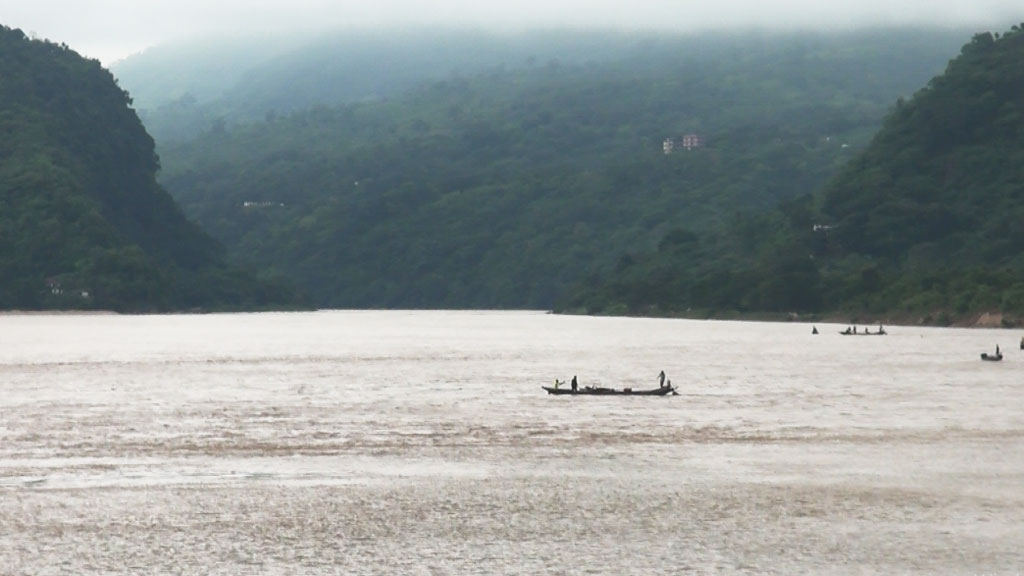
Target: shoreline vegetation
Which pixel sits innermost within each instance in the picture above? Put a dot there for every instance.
(57, 312)
(938, 319)
(197, 311)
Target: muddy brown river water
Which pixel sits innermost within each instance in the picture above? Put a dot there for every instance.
(421, 443)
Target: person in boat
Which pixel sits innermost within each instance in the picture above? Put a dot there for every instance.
(814, 329)
(880, 329)
(575, 383)
(661, 379)
(848, 330)
(997, 350)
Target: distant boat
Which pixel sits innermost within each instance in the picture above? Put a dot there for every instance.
(848, 332)
(600, 391)
(991, 357)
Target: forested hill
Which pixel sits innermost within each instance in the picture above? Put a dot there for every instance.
(922, 225)
(506, 188)
(83, 223)
(935, 204)
(181, 90)
(943, 181)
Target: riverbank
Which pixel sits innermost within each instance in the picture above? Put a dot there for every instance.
(940, 318)
(57, 312)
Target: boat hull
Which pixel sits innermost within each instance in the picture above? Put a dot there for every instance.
(590, 391)
(991, 358)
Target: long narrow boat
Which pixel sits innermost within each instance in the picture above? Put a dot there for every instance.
(990, 357)
(599, 391)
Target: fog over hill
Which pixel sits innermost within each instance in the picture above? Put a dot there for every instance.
(113, 29)
(183, 90)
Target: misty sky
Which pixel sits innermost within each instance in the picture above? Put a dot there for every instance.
(112, 29)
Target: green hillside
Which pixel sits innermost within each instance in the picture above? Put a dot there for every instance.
(508, 187)
(83, 223)
(924, 224)
(934, 206)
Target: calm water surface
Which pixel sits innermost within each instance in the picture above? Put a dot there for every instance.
(421, 443)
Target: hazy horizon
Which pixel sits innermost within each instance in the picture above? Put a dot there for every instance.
(110, 30)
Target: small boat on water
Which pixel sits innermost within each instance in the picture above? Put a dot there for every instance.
(865, 332)
(601, 391)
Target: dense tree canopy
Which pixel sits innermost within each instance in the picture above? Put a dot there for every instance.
(923, 224)
(938, 197)
(508, 187)
(83, 223)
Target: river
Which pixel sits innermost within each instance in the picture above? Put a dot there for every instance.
(420, 442)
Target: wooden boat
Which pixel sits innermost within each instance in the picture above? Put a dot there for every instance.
(864, 333)
(991, 357)
(600, 391)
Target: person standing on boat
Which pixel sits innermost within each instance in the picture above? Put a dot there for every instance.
(575, 384)
(661, 379)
